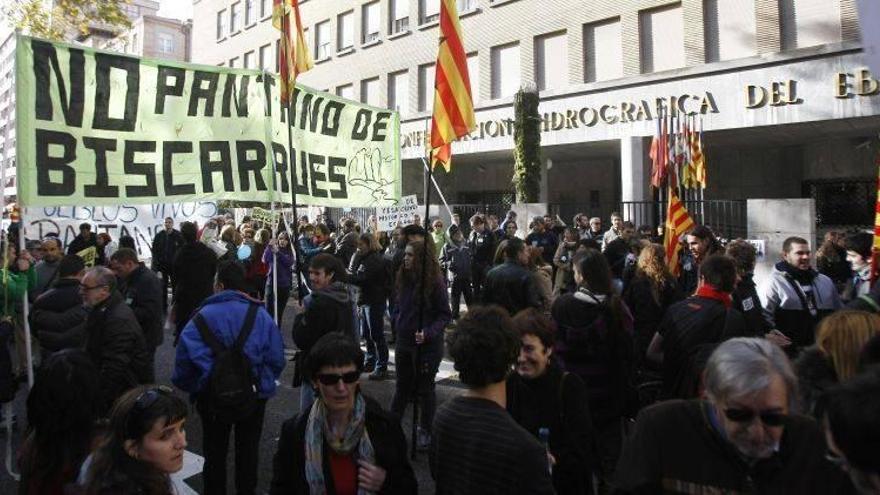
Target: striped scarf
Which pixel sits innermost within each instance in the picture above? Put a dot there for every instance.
(355, 437)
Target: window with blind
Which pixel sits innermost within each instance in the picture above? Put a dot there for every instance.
(603, 51)
(370, 91)
(729, 29)
(399, 16)
(398, 92)
(221, 24)
(809, 22)
(505, 70)
(551, 61)
(345, 91)
(662, 38)
(249, 60)
(345, 30)
(250, 12)
(430, 10)
(426, 86)
(473, 65)
(322, 40)
(235, 17)
(265, 57)
(370, 20)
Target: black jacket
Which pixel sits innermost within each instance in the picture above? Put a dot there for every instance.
(369, 273)
(691, 329)
(78, 244)
(389, 445)
(163, 256)
(327, 310)
(746, 301)
(142, 292)
(194, 269)
(346, 246)
(648, 312)
(676, 448)
(558, 401)
(58, 316)
(511, 286)
(115, 343)
(483, 247)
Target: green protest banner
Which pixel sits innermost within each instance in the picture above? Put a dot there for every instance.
(267, 217)
(101, 128)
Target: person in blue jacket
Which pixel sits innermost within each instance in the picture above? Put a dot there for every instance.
(224, 313)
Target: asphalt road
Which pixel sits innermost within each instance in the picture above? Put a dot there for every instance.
(281, 407)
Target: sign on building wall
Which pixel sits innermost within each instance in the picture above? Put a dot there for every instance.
(141, 222)
(97, 128)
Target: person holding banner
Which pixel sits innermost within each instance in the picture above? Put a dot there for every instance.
(18, 274)
(419, 350)
(281, 250)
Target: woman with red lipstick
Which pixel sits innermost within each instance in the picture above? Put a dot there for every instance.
(144, 445)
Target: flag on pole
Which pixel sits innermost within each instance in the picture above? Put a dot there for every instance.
(699, 157)
(678, 222)
(658, 155)
(453, 104)
(293, 53)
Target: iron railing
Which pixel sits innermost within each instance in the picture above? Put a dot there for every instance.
(728, 218)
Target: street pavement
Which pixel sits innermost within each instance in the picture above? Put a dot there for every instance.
(280, 408)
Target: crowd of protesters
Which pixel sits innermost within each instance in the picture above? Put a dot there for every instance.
(587, 366)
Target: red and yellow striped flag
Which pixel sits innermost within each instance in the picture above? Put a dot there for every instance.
(678, 222)
(453, 103)
(293, 54)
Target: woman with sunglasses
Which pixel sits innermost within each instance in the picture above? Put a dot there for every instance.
(143, 447)
(345, 444)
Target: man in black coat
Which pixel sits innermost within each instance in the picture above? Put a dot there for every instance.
(114, 340)
(165, 246)
(482, 243)
(84, 240)
(58, 317)
(195, 266)
(142, 291)
(691, 329)
(510, 285)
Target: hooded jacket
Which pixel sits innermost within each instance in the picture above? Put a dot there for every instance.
(58, 316)
(369, 273)
(143, 294)
(224, 313)
(513, 287)
(326, 310)
(285, 265)
(784, 308)
(457, 258)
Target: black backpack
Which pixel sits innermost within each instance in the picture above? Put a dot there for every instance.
(231, 392)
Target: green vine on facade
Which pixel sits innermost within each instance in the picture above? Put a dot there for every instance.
(527, 146)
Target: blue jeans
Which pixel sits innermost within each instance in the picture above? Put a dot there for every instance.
(373, 332)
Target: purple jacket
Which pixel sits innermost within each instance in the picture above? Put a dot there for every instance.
(285, 265)
(437, 316)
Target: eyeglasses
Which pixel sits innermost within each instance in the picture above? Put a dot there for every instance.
(333, 378)
(143, 403)
(86, 288)
(747, 416)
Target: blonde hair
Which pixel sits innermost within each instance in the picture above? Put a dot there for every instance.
(652, 265)
(841, 337)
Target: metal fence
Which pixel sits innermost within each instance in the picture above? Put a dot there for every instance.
(727, 217)
(842, 203)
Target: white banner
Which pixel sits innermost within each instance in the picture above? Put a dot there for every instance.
(141, 222)
(389, 217)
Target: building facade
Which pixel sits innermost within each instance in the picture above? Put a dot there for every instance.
(779, 87)
(7, 110)
(153, 37)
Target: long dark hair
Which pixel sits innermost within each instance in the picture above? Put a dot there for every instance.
(410, 279)
(62, 410)
(597, 279)
(131, 418)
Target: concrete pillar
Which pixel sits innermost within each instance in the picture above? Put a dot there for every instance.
(634, 168)
(544, 191)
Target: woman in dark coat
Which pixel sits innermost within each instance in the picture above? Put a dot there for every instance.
(425, 343)
(346, 443)
(552, 404)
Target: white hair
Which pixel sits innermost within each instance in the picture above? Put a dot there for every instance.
(743, 366)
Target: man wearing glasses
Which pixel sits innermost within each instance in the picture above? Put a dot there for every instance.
(114, 339)
(745, 437)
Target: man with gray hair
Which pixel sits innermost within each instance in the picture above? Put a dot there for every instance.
(745, 437)
(114, 339)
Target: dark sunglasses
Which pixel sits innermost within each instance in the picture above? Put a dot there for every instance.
(145, 401)
(747, 416)
(332, 378)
